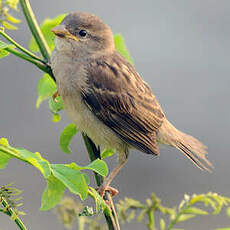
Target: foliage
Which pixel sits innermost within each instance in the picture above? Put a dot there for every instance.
(128, 208)
(58, 176)
(7, 19)
(72, 176)
(69, 211)
(8, 202)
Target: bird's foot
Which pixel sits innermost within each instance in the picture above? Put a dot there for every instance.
(55, 95)
(102, 190)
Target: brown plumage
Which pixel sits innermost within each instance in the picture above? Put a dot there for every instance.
(108, 99)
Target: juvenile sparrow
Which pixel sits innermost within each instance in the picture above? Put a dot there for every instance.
(108, 99)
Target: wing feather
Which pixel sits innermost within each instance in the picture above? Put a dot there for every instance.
(118, 97)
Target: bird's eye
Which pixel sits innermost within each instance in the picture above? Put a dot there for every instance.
(82, 33)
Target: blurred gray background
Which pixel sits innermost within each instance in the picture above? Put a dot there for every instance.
(181, 48)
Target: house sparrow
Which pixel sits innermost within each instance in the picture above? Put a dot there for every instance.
(107, 98)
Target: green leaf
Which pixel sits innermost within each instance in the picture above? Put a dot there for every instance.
(13, 3)
(185, 217)
(52, 193)
(107, 153)
(46, 88)
(12, 19)
(56, 106)
(87, 180)
(98, 166)
(46, 27)
(56, 118)
(121, 47)
(66, 136)
(9, 26)
(74, 180)
(196, 211)
(100, 203)
(3, 46)
(36, 160)
(4, 159)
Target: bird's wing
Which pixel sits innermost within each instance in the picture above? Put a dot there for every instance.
(117, 96)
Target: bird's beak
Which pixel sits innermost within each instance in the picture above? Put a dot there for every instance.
(62, 32)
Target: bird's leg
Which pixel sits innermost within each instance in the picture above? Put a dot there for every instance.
(105, 186)
(55, 95)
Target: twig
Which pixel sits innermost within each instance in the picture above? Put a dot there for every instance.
(34, 28)
(10, 212)
(11, 40)
(94, 153)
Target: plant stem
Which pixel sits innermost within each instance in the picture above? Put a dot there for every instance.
(40, 65)
(11, 40)
(10, 212)
(34, 28)
(93, 151)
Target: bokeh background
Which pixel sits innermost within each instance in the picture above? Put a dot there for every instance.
(181, 48)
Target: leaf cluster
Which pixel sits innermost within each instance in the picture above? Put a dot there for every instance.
(129, 209)
(7, 20)
(58, 176)
(70, 212)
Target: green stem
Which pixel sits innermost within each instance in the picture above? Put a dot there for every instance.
(10, 212)
(40, 65)
(11, 40)
(94, 153)
(35, 29)
(175, 220)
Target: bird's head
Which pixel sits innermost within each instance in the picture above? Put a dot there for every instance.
(84, 33)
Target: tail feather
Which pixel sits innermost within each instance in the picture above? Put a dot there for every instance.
(192, 148)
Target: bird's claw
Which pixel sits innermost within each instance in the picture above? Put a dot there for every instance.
(55, 95)
(102, 190)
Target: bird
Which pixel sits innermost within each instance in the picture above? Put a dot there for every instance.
(107, 98)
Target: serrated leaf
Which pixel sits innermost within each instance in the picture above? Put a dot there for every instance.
(162, 224)
(185, 217)
(98, 166)
(66, 136)
(196, 211)
(73, 179)
(121, 47)
(46, 27)
(52, 193)
(107, 153)
(46, 88)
